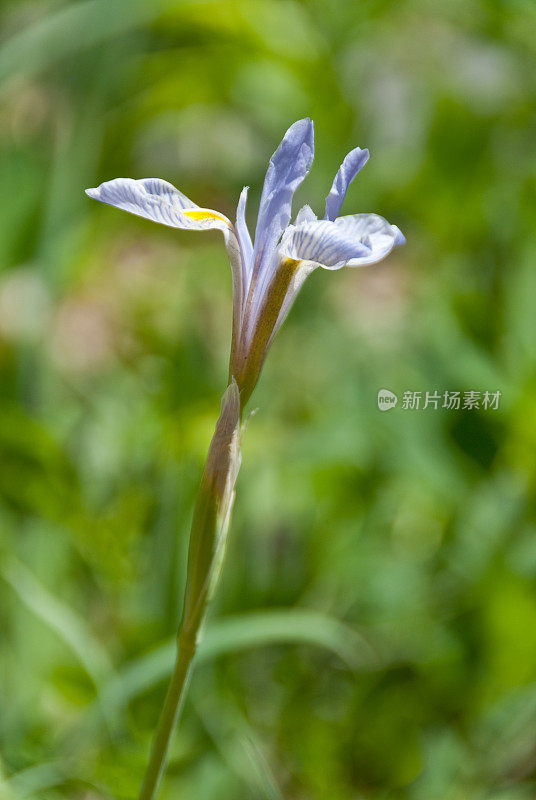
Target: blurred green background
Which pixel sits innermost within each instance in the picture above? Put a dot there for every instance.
(374, 637)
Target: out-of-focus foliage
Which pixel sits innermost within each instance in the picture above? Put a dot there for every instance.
(375, 633)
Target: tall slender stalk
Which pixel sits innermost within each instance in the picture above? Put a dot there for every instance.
(208, 538)
(267, 276)
(168, 719)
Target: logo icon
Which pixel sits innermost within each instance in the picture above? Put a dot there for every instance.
(386, 400)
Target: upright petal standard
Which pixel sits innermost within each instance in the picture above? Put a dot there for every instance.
(269, 272)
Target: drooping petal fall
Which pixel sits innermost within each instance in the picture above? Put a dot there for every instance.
(323, 243)
(348, 241)
(374, 231)
(159, 201)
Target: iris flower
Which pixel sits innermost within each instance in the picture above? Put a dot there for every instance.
(269, 272)
(267, 275)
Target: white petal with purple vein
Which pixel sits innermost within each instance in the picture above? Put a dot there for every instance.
(159, 201)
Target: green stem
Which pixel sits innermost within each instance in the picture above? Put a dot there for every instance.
(208, 536)
(170, 713)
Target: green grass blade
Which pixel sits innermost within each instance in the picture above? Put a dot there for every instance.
(224, 636)
(71, 29)
(61, 619)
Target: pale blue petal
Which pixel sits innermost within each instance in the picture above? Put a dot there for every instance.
(305, 214)
(287, 168)
(349, 241)
(354, 161)
(158, 200)
(244, 238)
(321, 242)
(400, 238)
(374, 231)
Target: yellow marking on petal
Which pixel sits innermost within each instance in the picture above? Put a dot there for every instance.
(289, 264)
(202, 213)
